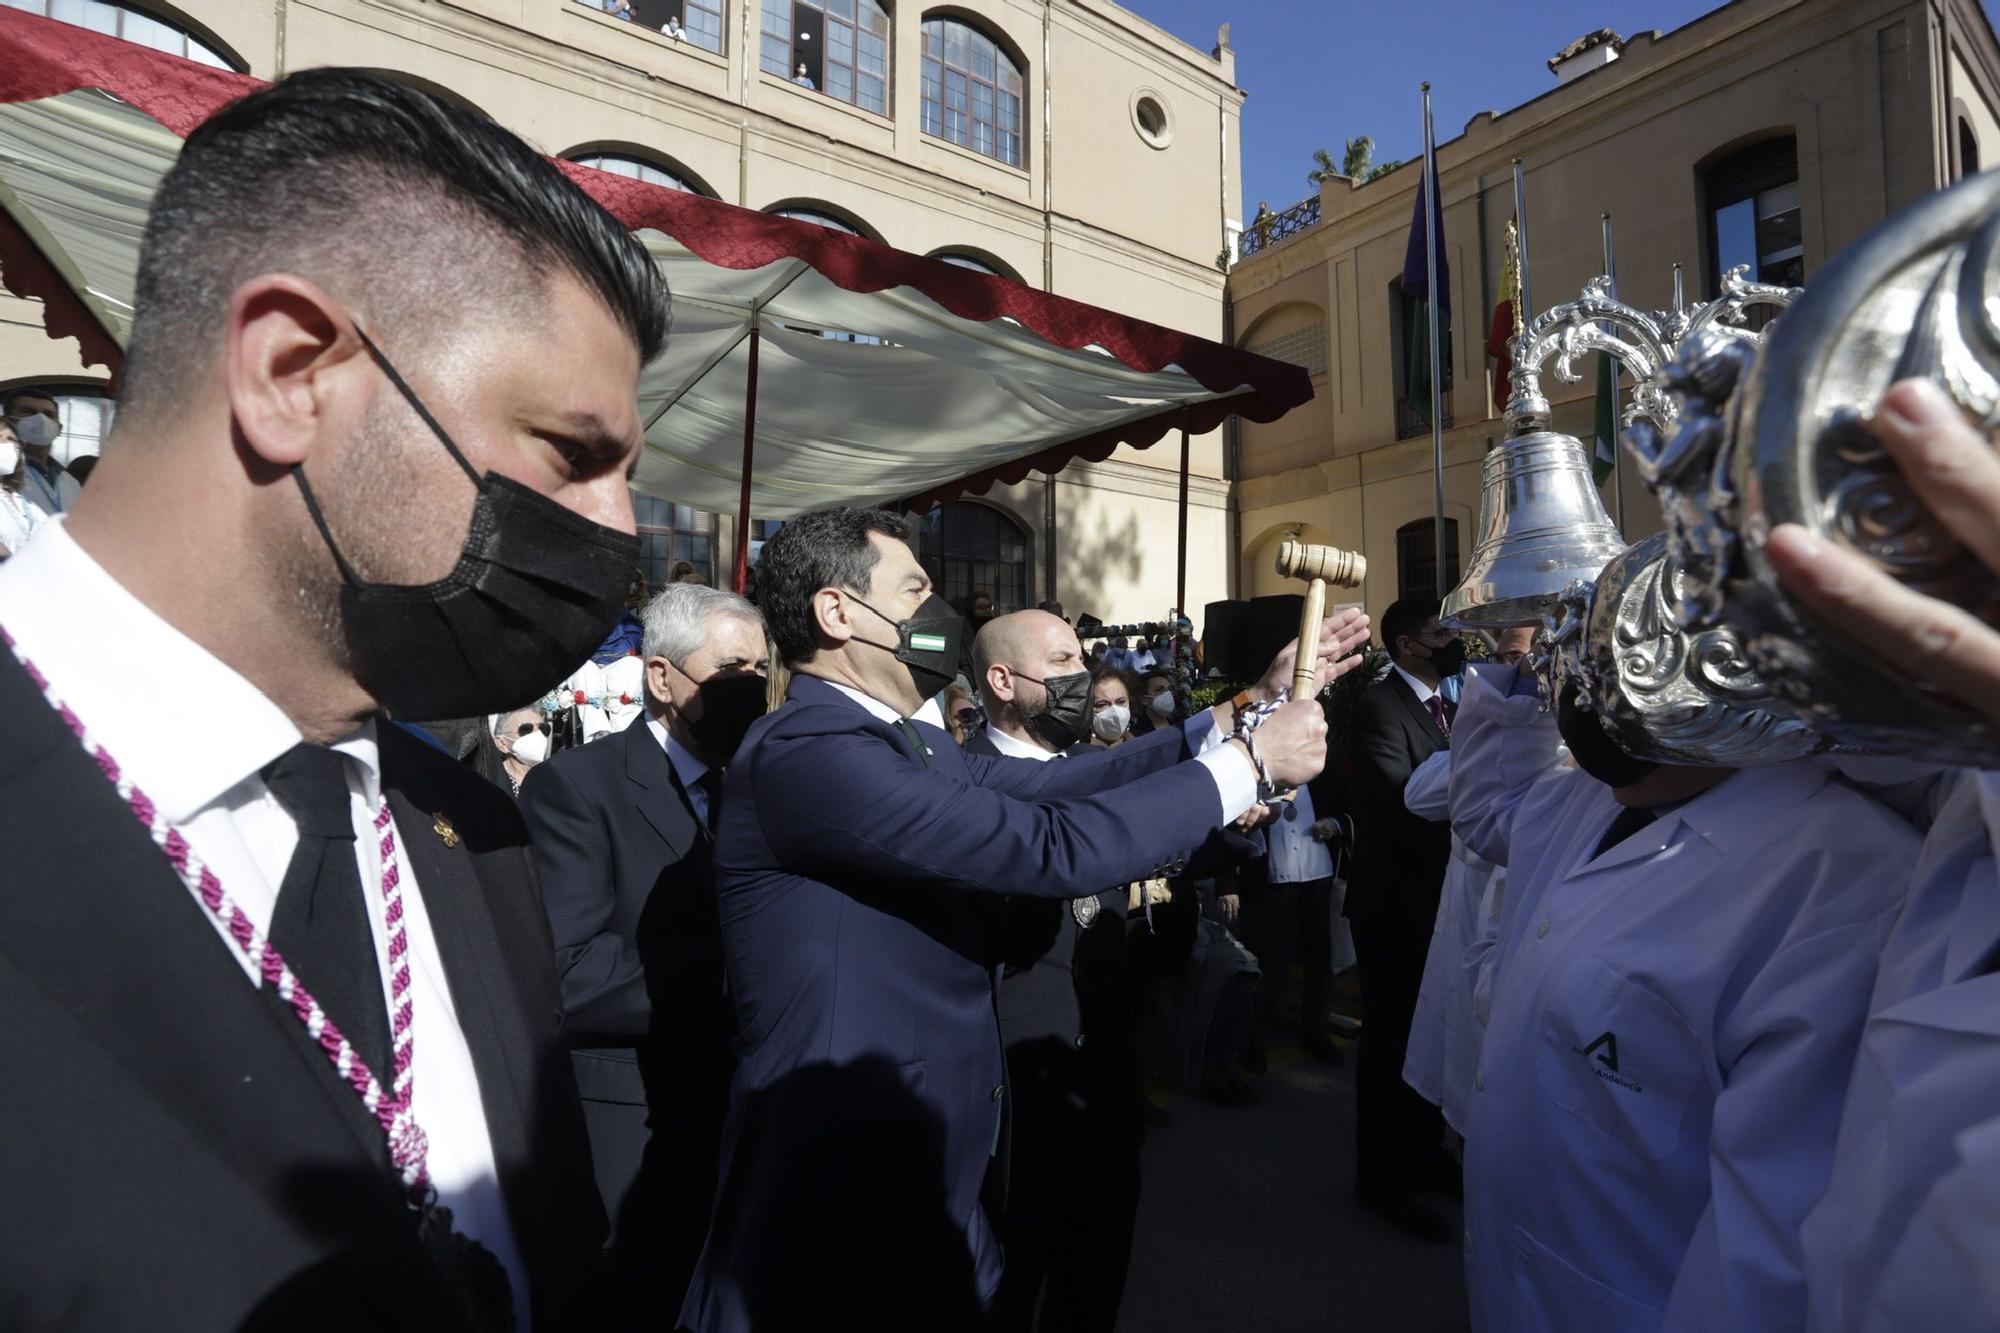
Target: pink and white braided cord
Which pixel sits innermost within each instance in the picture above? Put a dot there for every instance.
(408, 1146)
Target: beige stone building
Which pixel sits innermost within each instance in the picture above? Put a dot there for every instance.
(1768, 132)
(1019, 136)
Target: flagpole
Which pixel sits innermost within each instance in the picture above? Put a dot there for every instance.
(1525, 315)
(1617, 372)
(1433, 210)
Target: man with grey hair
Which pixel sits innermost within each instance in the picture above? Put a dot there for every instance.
(622, 837)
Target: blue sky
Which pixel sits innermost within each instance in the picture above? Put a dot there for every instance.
(1322, 71)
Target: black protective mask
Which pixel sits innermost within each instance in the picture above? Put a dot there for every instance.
(1064, 718)
(728, 705)
(535, 590)
(927, 643)
(1592, 747)
(1450, 659)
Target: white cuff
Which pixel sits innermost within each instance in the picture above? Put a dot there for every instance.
(1203, 732)
(1235, 779)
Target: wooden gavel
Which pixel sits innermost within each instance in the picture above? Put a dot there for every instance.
(1320, 565)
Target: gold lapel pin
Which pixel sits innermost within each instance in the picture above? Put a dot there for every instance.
(446, 833)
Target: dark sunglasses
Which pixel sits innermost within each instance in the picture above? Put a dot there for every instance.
(527, 727)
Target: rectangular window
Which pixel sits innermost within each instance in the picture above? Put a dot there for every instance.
(703, 20)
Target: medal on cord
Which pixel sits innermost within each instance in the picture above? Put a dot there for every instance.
(476, 1279)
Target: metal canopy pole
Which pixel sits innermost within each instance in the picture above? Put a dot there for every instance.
(1433, 211)
(749, 439)
(1180, 555)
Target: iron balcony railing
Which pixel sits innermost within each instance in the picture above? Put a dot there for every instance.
(1267, 229)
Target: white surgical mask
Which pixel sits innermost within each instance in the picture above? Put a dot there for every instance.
(10, 457)
(36, 430)
(1162, 703)
(532, 748)
(1110, 721)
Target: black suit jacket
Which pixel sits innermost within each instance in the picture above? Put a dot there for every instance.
(1399, 858)
(628, 882)
(176, 1152)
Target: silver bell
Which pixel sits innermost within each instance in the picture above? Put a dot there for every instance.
(1542, 526)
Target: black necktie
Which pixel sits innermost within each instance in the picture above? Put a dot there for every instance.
(711, 782)
(909, 729)
(320, 923)
(1630, 820)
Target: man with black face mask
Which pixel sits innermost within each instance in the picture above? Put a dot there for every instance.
(287, 987)
(1391, 904)
(1071, 1183)
(1679, 984)
(624, 837)
(859, 860)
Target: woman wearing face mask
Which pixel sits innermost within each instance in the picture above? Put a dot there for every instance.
(1110, 706)
(520, 741)
(1155, 705)
(19, 515)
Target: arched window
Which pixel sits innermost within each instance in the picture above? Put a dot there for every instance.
(978, 263)
(1968, 149)
(969, 549)
(843, 45)
(1416, 558)
(972, 90)
(1753, 213)
(133, 25)
(819, 219)
(620, 165)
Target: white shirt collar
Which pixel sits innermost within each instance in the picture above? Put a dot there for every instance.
(687, 768)
(60, 605)
(1015, 747)
(1424, 692)
(929, 713)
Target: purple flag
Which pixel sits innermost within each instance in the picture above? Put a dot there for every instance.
(1416, 267)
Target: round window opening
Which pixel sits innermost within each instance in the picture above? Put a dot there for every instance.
(1149, 117)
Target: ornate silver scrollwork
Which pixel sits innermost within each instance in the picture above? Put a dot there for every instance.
(1781, 437)
(1643, 341)
(1662, 692)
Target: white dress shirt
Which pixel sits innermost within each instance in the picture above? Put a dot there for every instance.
(1673, 1026)
(60, 605)
(1016, 748)
(1235, 776)
(687, 768)
(19, 517)
(1423, 691)
(1294, 855)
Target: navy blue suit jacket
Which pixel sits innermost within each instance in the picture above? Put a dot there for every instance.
(859, 882)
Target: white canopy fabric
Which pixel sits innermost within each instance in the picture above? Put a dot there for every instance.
(1006, 380)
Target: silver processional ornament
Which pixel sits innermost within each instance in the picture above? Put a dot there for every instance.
(1542, 521)
(1663, 693)
(1778, 437)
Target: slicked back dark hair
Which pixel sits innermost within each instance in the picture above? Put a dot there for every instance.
(828, 548)
(377, 191)
(1405, 617)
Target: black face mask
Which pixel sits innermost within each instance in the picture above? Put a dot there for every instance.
(535, 589)
(1064, 718)
(1592, 747)
(927, 643)
(1450, 659)
(725, 708)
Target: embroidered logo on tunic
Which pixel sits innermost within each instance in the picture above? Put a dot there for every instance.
(1603, 1052)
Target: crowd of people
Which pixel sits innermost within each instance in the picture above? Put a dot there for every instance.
(804, 962)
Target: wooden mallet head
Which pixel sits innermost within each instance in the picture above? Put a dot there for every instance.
(1320, 565)
(1304, 560)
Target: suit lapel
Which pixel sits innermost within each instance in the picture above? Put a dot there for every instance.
(1419, 714)
(97, 919)
(488, 1003)
(658, 794)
